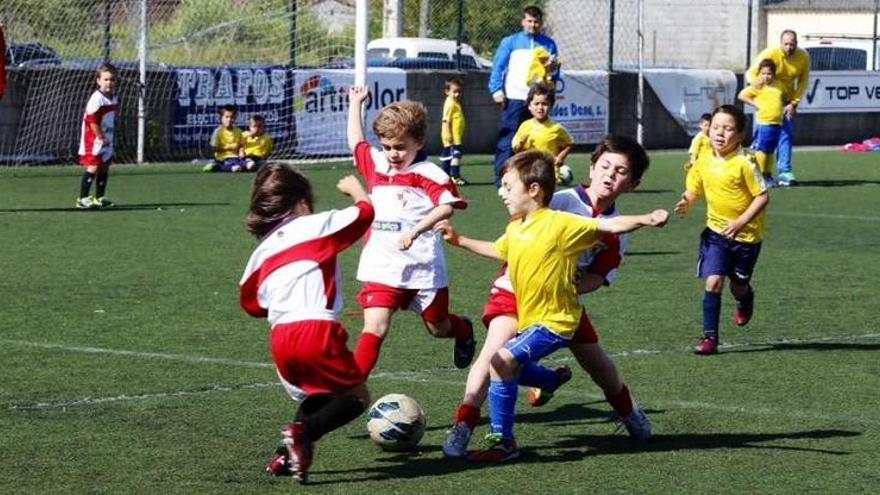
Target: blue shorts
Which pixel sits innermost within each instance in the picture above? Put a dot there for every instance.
(451, 152)
(766, 138)
(227, 164)
(722, 256)
(535, 343)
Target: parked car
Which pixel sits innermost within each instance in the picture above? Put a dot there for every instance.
(841, 53)
(30, 54)
(426, 49)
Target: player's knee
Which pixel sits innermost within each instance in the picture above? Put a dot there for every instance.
(714, 283)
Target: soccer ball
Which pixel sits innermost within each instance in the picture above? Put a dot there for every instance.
(396, 422)
(566, 176)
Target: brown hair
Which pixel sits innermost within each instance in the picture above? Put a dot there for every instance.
(106, 67)
(454, 81)
(534, 11)
(767, 63)
(634, 152)
(739, 117)
(403, 117)
(535, 167)
(541, 89)
(278, 188)
(258, 118)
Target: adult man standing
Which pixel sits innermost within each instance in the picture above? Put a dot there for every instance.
(520, 60)
(792, 70)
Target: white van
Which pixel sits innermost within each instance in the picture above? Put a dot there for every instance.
(841, 52)
(425, 48)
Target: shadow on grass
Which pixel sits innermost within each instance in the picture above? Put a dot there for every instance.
(124, 207)
(834, 183)
(652, 253)
(575, 448)
(809, 346)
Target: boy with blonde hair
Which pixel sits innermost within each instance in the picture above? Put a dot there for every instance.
(96, 140)
(256, 143)
(541, 247)
(403, 264)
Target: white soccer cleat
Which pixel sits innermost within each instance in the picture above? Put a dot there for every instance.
(637, 424)
(457, 439)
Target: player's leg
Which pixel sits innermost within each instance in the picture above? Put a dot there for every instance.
(101, 178)
(379, 303)
(532, 345)
(514, 114)
(784, 153)
(501, 328)
(433, 306)
(85, 186)
(446, 160)
(455, 167)
(745, 257)
(713, 265)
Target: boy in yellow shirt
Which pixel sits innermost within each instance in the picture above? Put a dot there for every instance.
(736, 195)
(700, 144)
(768, 96)
(540, 132)
(541, 247)
(452, 131)
(226, 143)
(256, 143)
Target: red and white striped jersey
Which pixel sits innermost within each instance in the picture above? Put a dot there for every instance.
(293, 275)
(602, 259)
(100, 110)
(402, 199)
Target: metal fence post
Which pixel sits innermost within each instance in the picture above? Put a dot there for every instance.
(293, 14)
(611, 37)
(108, 19)
(459, 32)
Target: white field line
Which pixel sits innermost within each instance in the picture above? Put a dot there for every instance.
(427, 376)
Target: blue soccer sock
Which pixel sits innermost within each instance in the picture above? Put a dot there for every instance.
(444, 164)
(534, 375)
(711, 313)
(455, 171)
(502, 406)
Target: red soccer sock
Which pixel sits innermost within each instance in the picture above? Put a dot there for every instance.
(470, 415)
(621, 402)
(366, 353)
(460, 329)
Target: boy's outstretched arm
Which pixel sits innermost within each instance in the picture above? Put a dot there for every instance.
(755, 207)
(350, 186)
(483, 248)
(439, 213)
(684, 204)
(356, 97)
(629, 223)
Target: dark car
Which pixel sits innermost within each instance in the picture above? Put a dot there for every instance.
(30, 54)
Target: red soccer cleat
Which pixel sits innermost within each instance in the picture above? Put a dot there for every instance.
(707, 346)
(300, 450)
(500, 450)
(742, 313)
(537, 397)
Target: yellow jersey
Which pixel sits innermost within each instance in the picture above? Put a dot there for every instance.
(541, 251)
(223, 137)
(769, 99)
(545, 136)
(452, 117)
(257, 146)
(730, 184)
(792, 72)
(700, 145)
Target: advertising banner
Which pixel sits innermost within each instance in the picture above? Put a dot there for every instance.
(582, 105)
(688, 93)
(201, 92)
(841, 91)
(320, 103)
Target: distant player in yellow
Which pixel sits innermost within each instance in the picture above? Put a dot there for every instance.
(226, 143)
(736, 196)
(793, 71)
(700, 144)
(541, 247)
(768, 96)
(452, 131)
(256, 143)
(540, 132)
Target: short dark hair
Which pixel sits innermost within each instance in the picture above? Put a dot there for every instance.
(278, 188)
(706, 116)
(767, 63)
(106, 67)
(533, 11)
(258, 118)
(535, 167)
(542, 89)
(635, 154)
(739, 117)
(788, 31)
(228, 108)
(454, 81)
